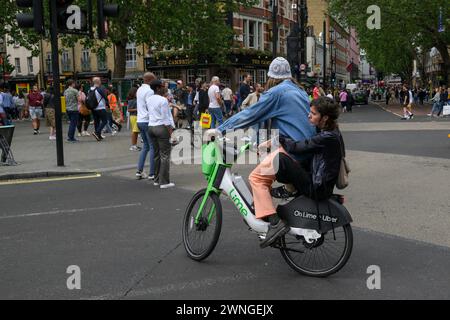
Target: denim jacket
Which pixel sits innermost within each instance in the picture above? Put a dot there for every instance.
(285, 104)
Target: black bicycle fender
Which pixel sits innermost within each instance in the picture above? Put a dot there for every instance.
(302, 213)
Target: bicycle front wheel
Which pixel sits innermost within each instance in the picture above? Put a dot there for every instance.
(201, 232)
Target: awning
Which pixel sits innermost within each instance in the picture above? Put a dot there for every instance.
(22, 79)
(89, 75)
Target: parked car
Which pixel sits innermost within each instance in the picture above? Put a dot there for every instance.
(361, 97)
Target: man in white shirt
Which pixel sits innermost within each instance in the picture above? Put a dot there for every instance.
(215, 102)
(143, 94)
(99, 113)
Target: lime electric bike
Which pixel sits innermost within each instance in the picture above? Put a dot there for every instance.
(320, 239)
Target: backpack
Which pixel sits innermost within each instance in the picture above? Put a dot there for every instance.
(91, 100)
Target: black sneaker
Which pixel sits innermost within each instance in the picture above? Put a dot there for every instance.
(275, 231)
(411, 116)
(119, 128)
(282, 193)
(35, 132)
(140, 175)
(96, 136)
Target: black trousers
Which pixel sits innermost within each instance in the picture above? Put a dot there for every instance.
(160, 139)
(293, 172)
(86, 119)
(100, 120)
(296, 173)
(189, 113)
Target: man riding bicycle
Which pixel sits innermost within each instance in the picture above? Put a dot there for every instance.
(287, 105)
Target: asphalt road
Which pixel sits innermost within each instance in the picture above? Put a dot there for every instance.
(125, 236)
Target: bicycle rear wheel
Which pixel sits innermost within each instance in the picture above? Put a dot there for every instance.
(321, 258)
(200, 237)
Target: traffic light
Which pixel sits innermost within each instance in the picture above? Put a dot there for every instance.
(103, 11)
(35, 19)
(333, 77)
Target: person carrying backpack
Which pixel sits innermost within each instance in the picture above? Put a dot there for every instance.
(97, 101)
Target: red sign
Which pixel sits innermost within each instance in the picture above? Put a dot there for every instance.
(350, 67)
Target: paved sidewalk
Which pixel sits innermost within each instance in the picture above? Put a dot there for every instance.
(397, 109)
(36, 153)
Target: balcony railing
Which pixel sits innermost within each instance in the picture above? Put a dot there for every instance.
(85, 65)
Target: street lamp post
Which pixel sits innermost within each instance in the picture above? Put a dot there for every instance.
(274, 28)
(3, 58)
(303, 24)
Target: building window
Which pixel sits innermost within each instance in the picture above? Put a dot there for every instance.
(65, 61)
(30, 65)
(85, 60)
(17, 64)
(262, 76)
(131, 56)
(253, 34)
(101, 62)
(289, 9)
(173, 74)
(201, 73)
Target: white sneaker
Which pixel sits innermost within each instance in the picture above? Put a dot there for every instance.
(103, 136)
(85, 134)
(166, 186)
(52, 138)
(155, 184)
(78, 134)
(114, 133)
(134, 148)
(151, 177)
(140, 175)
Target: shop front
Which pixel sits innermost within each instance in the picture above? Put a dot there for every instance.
(21, 83)
(230, 74)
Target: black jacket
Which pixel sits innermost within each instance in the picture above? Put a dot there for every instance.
(203, 100)
(327, 148)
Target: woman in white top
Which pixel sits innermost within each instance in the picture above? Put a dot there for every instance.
(160, 128)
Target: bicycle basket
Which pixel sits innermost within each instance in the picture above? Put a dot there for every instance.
(208, 158)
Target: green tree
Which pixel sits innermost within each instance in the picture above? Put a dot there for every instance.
(405, 26)
(198, 26)
(8, 26)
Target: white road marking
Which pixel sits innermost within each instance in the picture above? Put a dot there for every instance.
(48, 179)
(178, 287)
(36, 214)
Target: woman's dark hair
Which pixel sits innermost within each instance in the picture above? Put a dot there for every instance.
(132, 93)
(327, 107)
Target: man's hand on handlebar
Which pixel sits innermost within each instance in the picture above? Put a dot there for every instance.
(265, 145)
(212, 134)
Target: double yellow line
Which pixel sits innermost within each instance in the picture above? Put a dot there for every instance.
(49, 179)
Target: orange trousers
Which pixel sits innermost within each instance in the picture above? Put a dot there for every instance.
(261, 180)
